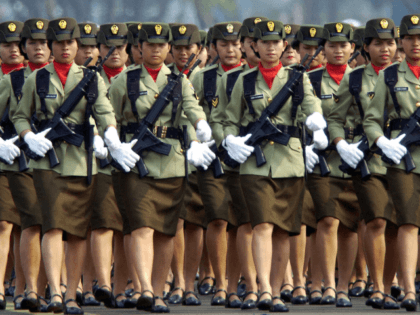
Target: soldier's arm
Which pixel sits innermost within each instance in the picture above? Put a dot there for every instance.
(310, 103)
(217, 115)
(102, 109)
(234, 110)
(192, 110)
(27, 105)
(5, 94)
(117, 96)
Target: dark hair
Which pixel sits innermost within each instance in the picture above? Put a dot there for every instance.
(51, 41)
(22, 44)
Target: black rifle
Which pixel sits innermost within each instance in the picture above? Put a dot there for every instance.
(412, 136)
(357, 53)
(146, 140)
(214, 60)
(364, 169)
(323, 165)
(196, 64)
(263, 128)
(59, 129)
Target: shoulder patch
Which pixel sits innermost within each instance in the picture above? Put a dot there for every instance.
(336, 98)
(371, 95)
(215, 101)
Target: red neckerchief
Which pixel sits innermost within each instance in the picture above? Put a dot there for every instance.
(227, 68)
(251, 66)
(336, 72)
(35, 66)
(153, 72)
(377, 69)
(313, 68)
(62, 70)
(7, 68)
(270, 73)
(414, 69)
(185, 72)
(112, 72)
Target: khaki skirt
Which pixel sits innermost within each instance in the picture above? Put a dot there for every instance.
(335, 197)
(274, 200)
(116, 182)
(308, 213)
(66, 201)
(25, 198)
(374, 198)
(405, 193)
(154, 203)
(239, 207)
(8, 209)
(105, 214)
(193, 211)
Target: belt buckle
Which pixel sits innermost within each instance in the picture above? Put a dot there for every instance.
(164, 131)
(351, 133)
(155, 129)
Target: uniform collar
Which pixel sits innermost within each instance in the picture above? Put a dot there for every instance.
(409, 75)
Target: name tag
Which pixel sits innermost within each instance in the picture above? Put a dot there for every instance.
(51, 96)
(400, 89)
(142, 93)
(325, 97)
(256, 97)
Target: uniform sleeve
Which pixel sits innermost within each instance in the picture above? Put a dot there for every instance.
(217, 115)
(197, 82)
(234, 110)
(117, 96)
(22, 115)
(192, 110)
(102, 109)
(337, 116)
(5, 94)
(192, 136)
(310, 103)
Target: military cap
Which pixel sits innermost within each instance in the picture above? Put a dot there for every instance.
(291, 31)
(209, 35)
(338, 32)
(203, 35)
(310, 35)
(383, 28)
(248, 26)
(63, 29)
(113, 34)
(185, 34)
(397, 37)
(10, 31)
(269, 30)
(35, 29)
(359, 36)
(157, 33)
(226, 31)
(410, 25)
(88, 33)
(133, 32)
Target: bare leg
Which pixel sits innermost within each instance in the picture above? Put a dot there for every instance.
(391, 257)
(20, 277)
(131, 266)
(64, 270)
(194, 243)
(5, 232)
(120, 265)
(244, 248)
(206, 269)
(233, 264)
(88, 269)
(177, 264)
(101, 246)
(361, 258)
(280, 258)
(316, 271)
(297, 260)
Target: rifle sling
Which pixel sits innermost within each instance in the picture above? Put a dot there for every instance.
(355, 87)
(209, 86)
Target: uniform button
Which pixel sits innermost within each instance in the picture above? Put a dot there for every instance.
(269, 100)
(417, 87)
(418, 104)
(156, 96)
(271, 142)
(182, 151)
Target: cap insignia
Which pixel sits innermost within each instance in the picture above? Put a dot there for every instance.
(139, 27)
(40, 25)
(312, 31)
(12, 27)
(415, 19)
(339, 27)
(384, 23)
(182, 29)
(114, 29)
(158, 29)
(257, 20)
(88, 29)
(288, 29)
(62, 24)
(398, 32)
(270, 26)
(229, 28)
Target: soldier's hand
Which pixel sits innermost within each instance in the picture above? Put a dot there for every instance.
(320, 139)
(312, 158)
(392, 148)
(37, 143)
(315, 122)
(199, 154)
(350, 153)
(203, 131)
(99, 146)
(8, 150)
(237, 149)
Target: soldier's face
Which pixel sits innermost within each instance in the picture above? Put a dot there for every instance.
(64, 51)
(361, 60)
(10, 53)
(310, 50)
(249, 52)
(212, 53)
(182, 53)
(137, 57)
(381, 51)
(290, 56)
(229, 51)
(270, 51)
(399, 55)
(154, 55)
(85, 52)
(411, 46)
(338, 53)
(203, 56)
(37, 50)
(117, 59)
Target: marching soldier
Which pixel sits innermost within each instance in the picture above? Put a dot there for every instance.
(358, 38)
(400, 54)
(133, 41)
(203, 56)
(87, 44)
(290, 55)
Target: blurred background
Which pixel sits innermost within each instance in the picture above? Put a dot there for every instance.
(205, 13)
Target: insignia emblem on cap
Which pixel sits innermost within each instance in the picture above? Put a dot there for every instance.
(270, 26)
(229, 28)
(257, 20)
(158, 29)
(12, 27)
(312, 31)
(182, 29)
(139, 27)
(384, 23)
(415, 19)
(288, 29)
(114, 29)
(88, 29)
(62, 24)
(339, 27)
(40, 25)
(398, 31)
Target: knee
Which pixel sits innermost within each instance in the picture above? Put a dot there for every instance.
(328, 224)
(377, 225)
(5, 227)
(218, 224)
(263, 229)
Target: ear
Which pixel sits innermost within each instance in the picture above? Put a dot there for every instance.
(353, 45)
(365, 47)
(243, 47)
(254, 46)
(23, 48)
(285, 43)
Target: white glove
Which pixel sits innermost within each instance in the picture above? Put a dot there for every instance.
(203, 131)
(237, 149)
(37, 143)
(316, 121)
(121, 152)
(392, 148)
(8, 150)
(349, 153)
(199, 154)
(99, 146)
(312, 158)
(320, 139)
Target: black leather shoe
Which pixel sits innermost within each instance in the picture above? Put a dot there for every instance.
(145, 302)
(278, 307)
(56, 307)
(119, 303)
(72, 310)
(300, 299)
(18, 305)
(395, 290)
(343, 302)
(357, 291)
(369, 290)
(104, 294)
(417, 286)
(266, 304)
(315, 300)
(79, 296)
(95, 286)
(129, 292)
(43, 306)
(376, 302)
(176, 298)
(3, 302)
(286, 295)
(236, 303)
(89, 301)
(166, 294)
(159, 308)
(218, 300)
(249, 303)
(192, 300)
(391, 305)
(401, 297)
(329, 299)
(410, 304)
(241, 290)
(206, 288)
(29, 303)
(132, 301)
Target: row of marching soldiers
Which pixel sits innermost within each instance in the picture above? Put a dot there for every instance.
(243, 206)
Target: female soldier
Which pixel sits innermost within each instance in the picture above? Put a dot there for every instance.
(203, 56)
(396, 92)
(400, 54)
(274, 191)
(376, 203)
(153, 202)
(63, 192)
(290, 55)
(337, 213)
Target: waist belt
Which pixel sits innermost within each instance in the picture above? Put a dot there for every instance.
(397, 124)
(79, 129)
(293, 131)
(351, 132)
(159, 131)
